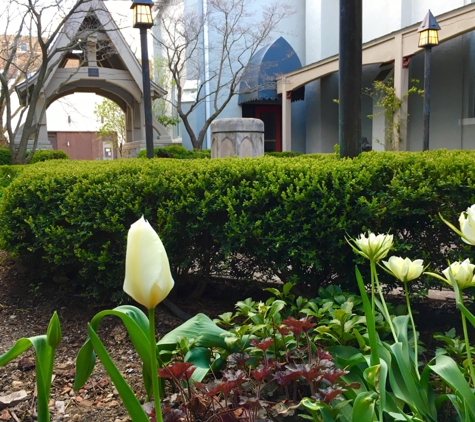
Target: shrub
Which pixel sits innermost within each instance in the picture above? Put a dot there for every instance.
(7, 175)
(5, 157)
(45, 155)
(176, 151)
(282, 154)
(245, 218)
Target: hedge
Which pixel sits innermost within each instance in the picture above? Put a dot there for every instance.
(40, 155)
(48, 154)
(176, 151)
(238, 217)
(8, 173)
(5, 156)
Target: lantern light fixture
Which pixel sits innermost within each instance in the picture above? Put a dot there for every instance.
(142, 13)
(429, 31)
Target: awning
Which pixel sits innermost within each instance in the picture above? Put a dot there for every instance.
(259, 81)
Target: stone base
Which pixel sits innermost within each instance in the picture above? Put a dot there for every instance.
(240, 137)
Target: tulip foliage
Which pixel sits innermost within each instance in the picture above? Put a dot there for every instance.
(45, 348)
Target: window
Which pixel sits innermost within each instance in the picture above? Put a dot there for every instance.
(23, 46)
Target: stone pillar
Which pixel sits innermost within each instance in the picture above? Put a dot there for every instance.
(241, 137)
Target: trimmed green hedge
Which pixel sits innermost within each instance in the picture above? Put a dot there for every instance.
(48, 154)
(244, 217)
(5, 157)
(176, 151)
(8, 175)
(283, 154)
(41, 155)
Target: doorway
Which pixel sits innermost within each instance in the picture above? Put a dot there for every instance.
(271, 115)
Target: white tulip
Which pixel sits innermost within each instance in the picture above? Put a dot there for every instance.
(374, 247)
(462, 273)
(404, 269)
(467, 225)
(148, 279)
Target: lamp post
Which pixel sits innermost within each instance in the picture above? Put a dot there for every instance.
(349, 77)
(142, 19)
(428, 37)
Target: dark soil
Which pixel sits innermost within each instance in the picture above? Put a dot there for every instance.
(27, 306)
(25, 311)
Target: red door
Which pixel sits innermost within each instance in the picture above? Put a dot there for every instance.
(272, 117)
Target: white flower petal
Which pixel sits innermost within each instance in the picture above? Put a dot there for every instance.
(148, 278)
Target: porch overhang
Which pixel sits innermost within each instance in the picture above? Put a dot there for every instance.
(392, 47)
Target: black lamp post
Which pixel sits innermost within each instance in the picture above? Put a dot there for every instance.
(349, 89)
(428, 37)
(142, 19)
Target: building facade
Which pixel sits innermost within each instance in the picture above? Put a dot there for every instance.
(302, 113)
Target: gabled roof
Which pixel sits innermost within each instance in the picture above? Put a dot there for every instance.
(124, 59)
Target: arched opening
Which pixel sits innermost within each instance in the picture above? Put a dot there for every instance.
(86, 126)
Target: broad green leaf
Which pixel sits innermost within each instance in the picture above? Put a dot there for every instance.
(287, 288)
(363, 407)
(131, 402)
(136, 323)
(340, 315)
(371, 375)
(275, 292)
(201, 358)
(201, 328)
(408, 387)
(276, 307)
(448, 370)
(320, 411)
(44, 362)
(373, 336)
(17, 349)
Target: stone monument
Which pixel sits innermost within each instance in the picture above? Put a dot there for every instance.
(242, 137)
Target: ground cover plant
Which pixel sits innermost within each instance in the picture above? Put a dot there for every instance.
(336, 357)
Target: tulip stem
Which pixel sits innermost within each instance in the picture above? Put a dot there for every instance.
(383, 302)
(467, 343)
(373, 272)
(153, 365)
(409, 310)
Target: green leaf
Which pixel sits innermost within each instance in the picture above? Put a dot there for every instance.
(373, 336)
(448, 370)
(201, 358)
(201, 328)
(406, 386)
(287, 288)
(363, 407)
(136, 323)
(131, 402)
(371, 375)
(17, 349)
(276, 307)
(44, 362)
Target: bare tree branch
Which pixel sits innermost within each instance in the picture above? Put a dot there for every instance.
(237, 34)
